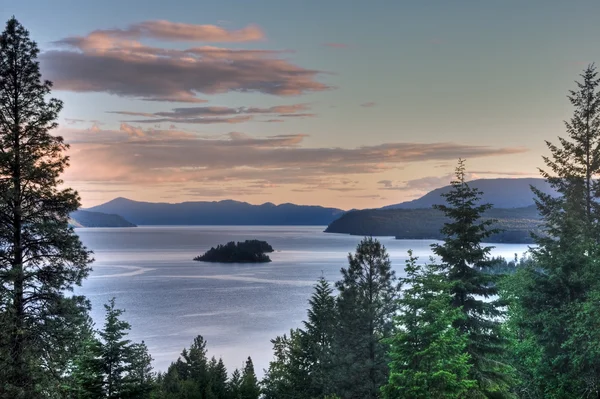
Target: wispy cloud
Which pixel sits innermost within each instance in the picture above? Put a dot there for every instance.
(208, 115)
(149, 156)
(368, 104)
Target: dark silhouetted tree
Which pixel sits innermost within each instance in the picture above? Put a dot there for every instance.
(249, 388)
(41, 258)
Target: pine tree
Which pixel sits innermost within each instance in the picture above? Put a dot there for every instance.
(115, 351)
(318, 338)
(197, 362)
(140, 378)
(557, 299)
(473, 290)
(218, 378)
(428, 355)
(289, 375)
(86, 378)
(366, 305)
(249, 388)
(41, 258)
(235, 385)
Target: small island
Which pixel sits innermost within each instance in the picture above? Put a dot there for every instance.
(249, 251)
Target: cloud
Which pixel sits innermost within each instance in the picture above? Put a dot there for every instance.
(154, 156)
(207, 115)
(173, 31)
(513, 173)
(368, 104)
(423, 184)
(335, 45)
(200, 121)
(297, 115)
(113, 61)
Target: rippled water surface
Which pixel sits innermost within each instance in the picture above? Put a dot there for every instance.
(169, 298)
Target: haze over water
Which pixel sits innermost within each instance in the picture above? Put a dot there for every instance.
(169, 298)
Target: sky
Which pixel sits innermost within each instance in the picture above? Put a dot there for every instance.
(334, 103)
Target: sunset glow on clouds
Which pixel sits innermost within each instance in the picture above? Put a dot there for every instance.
(302, 103)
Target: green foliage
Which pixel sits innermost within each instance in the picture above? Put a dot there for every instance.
(472, 290)
(428, 355)
(194, 376)
(523, 353)
(249, 251)
(41, 258)
(557, 308)
(366, 305)
(249, 388)
(318, 338)
(288, 375)
(303, 363)
(110, 366)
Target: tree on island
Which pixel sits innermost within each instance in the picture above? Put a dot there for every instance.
(41, 258)
(249, 251)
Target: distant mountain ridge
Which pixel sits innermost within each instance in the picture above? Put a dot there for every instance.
(513, 201)
(502, 193)
(227, 212)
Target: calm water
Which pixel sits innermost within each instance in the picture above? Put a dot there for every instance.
(169, 298)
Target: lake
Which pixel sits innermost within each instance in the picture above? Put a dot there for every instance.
(169, 298)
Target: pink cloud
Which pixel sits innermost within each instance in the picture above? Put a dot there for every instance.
(198, 121)
(368, 104)
(126, 155)
(108, 61)
(175, 31)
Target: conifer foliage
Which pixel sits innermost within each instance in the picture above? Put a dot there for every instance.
(366, 305)
(559, 295)
(474, 290)
(428, 354)
(40, 256)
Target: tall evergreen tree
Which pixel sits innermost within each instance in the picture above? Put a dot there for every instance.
(428, 355)
(235, 385)
(288, 375)
(557, 301)
(140, 379)
(41, 258)
(318, 337)
(218, 378)
(473, 290)
(249, 388)
(114, 349)
(366, 304)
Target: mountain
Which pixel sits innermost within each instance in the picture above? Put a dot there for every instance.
(98, 219)
(502, 193)
(513, 208)
(218, 213)
(421, 223)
